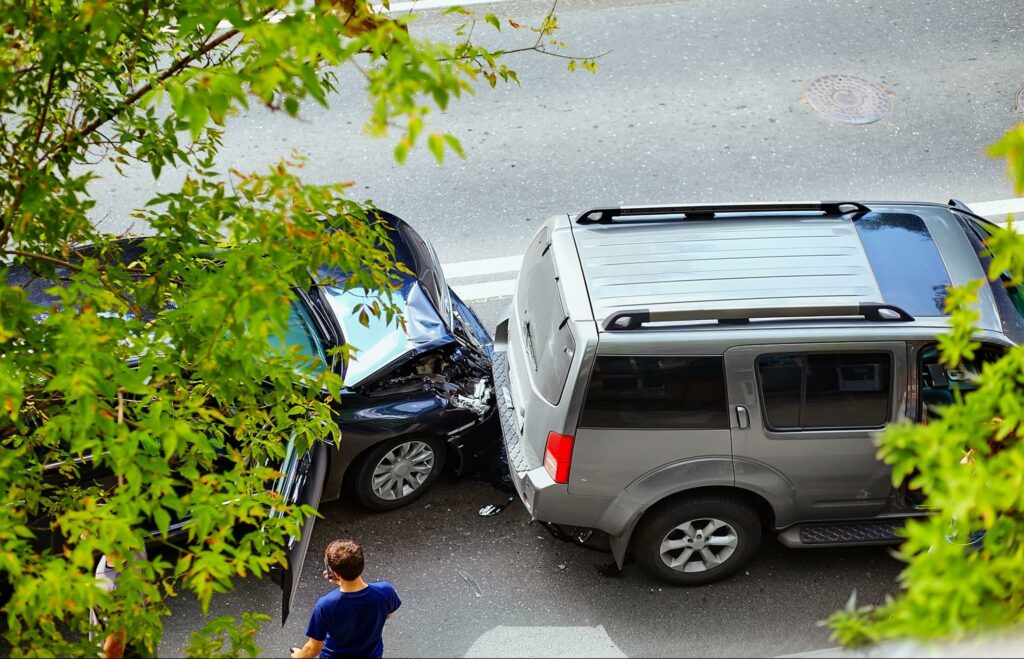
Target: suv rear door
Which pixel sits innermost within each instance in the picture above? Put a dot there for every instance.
(648, 413)
(804, 419)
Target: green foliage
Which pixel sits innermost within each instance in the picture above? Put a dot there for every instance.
(969, 462)
(239, 637)
(149, 392)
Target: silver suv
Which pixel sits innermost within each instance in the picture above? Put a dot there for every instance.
(684, 378)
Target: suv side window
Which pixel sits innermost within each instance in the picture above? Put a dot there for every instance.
(815, 391)
(657, 392)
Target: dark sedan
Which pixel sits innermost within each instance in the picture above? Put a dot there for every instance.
(417, 395)
(414, 399)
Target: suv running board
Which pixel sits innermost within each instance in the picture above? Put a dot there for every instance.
(839, 534)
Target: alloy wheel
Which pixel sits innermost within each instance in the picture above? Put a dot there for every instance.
(698, 545)
(403, 470)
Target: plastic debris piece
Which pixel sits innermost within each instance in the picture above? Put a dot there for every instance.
(472, 582)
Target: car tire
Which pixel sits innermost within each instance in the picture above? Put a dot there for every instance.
(698, 540)
(397, 472)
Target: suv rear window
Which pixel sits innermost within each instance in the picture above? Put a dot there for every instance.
(891, 241)
(544, 323)
(656, 392)
(814, 391)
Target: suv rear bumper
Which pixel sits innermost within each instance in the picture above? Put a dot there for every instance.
(546, 500)
(518, 463)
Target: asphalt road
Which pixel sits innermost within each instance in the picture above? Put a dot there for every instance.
(696, 101)
(464, 579)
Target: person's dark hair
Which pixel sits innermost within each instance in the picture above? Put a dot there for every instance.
(345, 557)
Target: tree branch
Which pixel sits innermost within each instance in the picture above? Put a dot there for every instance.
(133, 98)
(42, 257)
(19, 194)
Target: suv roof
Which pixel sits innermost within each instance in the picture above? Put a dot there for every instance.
(740, 261)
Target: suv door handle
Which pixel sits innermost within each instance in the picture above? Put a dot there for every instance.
(742, 417)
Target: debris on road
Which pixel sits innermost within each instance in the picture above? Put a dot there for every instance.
(492, 509)
(471, 581)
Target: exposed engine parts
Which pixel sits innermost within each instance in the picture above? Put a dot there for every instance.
(480, 402)
(454, 373)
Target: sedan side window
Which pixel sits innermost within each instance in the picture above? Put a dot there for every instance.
(822, 391)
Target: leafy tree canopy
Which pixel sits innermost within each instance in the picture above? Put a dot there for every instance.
(969, 463)
(158, 366)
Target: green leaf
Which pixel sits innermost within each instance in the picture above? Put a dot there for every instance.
(402, 150)
(454, 144)
(436, 144)
(198, 115)
(493, 21)
(162, 519)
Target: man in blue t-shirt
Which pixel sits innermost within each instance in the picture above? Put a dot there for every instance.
(348, 622)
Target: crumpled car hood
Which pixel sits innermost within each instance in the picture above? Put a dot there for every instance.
(380, 346)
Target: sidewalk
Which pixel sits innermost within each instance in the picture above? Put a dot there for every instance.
(1003, 645)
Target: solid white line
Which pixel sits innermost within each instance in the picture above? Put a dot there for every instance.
(998, 207)
(482, 267)
(423, 5)
(502, 288)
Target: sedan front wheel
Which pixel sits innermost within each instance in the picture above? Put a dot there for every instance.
(397, 472)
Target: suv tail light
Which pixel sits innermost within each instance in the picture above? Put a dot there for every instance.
(558, 456)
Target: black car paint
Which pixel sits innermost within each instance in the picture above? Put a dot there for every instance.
(366, 419)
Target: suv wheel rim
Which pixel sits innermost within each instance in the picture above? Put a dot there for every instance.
(402, 470)
(698, 545)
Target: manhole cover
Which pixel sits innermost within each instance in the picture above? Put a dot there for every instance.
(1020, 101)
(847, 99)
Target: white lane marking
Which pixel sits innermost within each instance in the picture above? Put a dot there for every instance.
(503, 288)
(502, 641)
(396, 7)
(998, 207)
(481, 267)
(423, 5)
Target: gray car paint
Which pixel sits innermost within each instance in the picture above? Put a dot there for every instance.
(798, 477)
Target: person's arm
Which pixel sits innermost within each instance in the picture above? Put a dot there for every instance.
(309, 650)
(113, 645)
(393, 602)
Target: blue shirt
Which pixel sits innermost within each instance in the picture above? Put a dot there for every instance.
(350, 624)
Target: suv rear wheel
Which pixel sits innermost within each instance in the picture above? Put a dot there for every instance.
(697, 541)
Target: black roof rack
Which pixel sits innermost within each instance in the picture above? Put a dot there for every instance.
(704, 211)
(873, 311)
(959, 205)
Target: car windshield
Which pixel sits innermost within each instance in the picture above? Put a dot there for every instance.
(1016, 293)
(301, 333)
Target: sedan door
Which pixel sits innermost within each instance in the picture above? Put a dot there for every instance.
(302, 482)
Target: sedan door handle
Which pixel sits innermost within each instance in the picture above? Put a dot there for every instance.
(742, 417)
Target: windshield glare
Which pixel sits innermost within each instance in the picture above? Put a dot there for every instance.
(302, 334)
